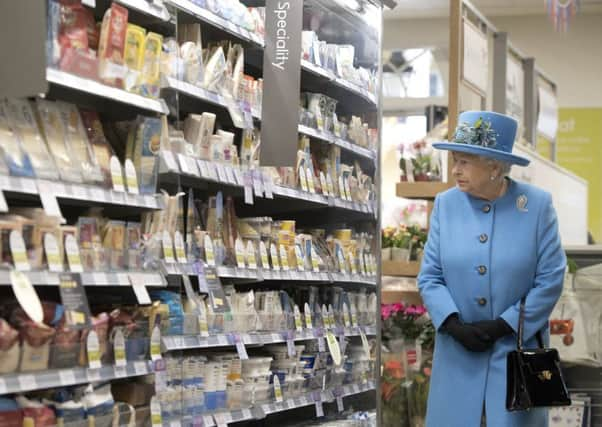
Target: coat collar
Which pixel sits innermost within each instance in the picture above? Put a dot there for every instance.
(508, 197)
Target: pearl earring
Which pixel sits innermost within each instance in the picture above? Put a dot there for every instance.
(492, 178)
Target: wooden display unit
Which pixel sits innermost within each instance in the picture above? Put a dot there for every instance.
(400, 268)
(421, 190)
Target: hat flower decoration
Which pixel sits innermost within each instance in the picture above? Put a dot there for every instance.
(485, 134)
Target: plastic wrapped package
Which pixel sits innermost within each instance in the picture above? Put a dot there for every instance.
(22, 120)
(14, 160)
(144, 143)
(78, 143)
(151, 66)
(133, 55)
(114, 235)
(100, 325)
(94, 257)
(9, 348)
(65, 347)
(39, 414)
(100, 146)
(111, 46)
(53, 130)
(171, 64)
(215, 70)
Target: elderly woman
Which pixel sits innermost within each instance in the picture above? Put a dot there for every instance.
(492, 241)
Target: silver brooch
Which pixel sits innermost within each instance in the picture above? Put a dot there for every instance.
(521, 203)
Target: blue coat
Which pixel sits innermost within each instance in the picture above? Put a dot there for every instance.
(480, 259)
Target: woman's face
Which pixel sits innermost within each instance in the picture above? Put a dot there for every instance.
(472, 173)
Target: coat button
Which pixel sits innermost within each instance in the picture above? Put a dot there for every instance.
(482, 301)
(483, 238)
(482, 270)
(486, 208)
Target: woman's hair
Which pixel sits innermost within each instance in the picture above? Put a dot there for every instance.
(505, 167)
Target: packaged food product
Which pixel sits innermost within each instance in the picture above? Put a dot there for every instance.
(52, 127)
(35, 338)
(78, 143)
(9, 349)
(215, 71)
(111, 45)
(133, 54)
(114, 243)
(14, 160)
(90, 245)
(36, 413)
(133, 245)
(65, 347)
(100, 146)
(151, 67)
(144, 143)
(21, 119)
(77, 27)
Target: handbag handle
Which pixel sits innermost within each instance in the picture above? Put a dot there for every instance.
(521, 328)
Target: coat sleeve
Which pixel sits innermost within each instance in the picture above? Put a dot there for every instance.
(549, 275)
(431, 283)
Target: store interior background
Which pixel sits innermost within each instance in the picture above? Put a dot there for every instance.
(416, 90)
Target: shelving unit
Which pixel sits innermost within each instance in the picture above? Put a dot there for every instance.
(400, 268)
(137, 291)
(421, 190)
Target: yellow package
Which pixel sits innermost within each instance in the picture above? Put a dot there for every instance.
(133, 52)
(151, 66)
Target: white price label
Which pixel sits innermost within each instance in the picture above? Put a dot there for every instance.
(18, 251)
(49, 202)
(3, 204)
(67, 377)
(140, 367)
(131, 177)
(116, 174)
(221, 173)
(323, 184)
(310, 181)
(203, 168)
(268, 185)
(302, 178)
(137, 282)
(93, 375)
(27, 382)
(170, 161)
(168, 253)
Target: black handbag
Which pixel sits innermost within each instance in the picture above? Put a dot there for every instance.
(533, 377)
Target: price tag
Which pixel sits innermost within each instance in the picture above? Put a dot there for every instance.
(170, 161)
(342, 194)
(240, 347)
(330, 185)
(315, 259)
(238, 177)
(202, 165)
(209, 252)
(67, 377)
(179, 246)
(257, 183)
(120, 372)
(340, 405)
(323, 184)
(203, 324)
(131, 177)
(346, 319)
(307, 315)
(221, 172)
(192, 166)
(230, 175)
(18, 251)
(365, 344)
(49, 202)
(220, 420)
(183, 164)
(342, 262)
(137, 282)
(155, 344)
(353, 317)
(297, 315)
(302, 178)
(119, 347)
(168, 253)
(251, 259)
(300, 259)
(310, 181)
(321, 344)
(27, 382)
(73, 258)
(239, 248)
(3, 204)
(268, 185)
(212, 171)
(284, 258)
(140, 367)
(274, 256)
(93, 349)
(277, 389)
(319, 409)
(248, 184)
(155, 409)
(263, 253)
(348, 190)
(333, 348)
(116, 174)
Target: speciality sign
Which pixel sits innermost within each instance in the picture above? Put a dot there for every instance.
(281, 82)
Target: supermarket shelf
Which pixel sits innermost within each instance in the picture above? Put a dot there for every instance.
(208, 17)
(79, 192)
(92, 87)
(207, 96)
(262, 410)
(226, 175)
(329, 76)
(48, 278)
(332, 139)
(309, 398)
(149, 8)
(189, 342)
(23, 382)
(260, 274)
(421, 190)
(400, 268)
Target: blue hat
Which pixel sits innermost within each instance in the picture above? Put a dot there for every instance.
(486, 134)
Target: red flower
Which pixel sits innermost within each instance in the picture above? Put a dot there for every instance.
(397, 307)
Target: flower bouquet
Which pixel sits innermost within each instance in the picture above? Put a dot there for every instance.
(420, 162)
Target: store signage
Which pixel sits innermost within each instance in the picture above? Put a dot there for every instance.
(281, 82)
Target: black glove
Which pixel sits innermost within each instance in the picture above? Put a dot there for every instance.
(471, 337)
(496, 329)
